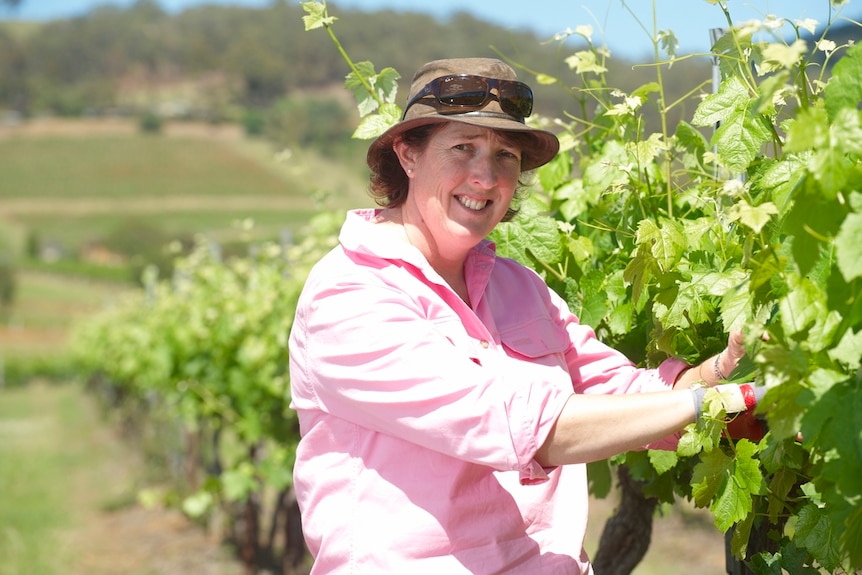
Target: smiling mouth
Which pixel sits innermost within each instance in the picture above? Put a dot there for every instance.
(470, 204)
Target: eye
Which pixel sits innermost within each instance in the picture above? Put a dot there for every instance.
(510, 154)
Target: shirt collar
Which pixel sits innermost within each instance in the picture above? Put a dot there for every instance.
(361, 235)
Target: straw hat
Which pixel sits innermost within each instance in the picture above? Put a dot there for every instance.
(428, 111)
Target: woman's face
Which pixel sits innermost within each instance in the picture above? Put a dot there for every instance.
(461, 185)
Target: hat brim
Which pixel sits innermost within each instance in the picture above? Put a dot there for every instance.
(545, 144)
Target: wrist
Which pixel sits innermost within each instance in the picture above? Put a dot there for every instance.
(716, 369)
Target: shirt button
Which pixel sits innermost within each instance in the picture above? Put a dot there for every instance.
(484, 343)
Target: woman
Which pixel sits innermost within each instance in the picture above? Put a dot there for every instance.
(447, 398)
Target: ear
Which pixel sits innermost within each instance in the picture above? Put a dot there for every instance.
(406, 154)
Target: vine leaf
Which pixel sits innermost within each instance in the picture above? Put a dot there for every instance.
(853, 536)
(594, 303)
(375, 124)
(844, 90)
(753, 217)
(666, 243)
(739, 138)
(718, 107)
(384, 84)
(536, 235)
(662, 460)
(316, 16)
(729, 482)
(814, 533)
(847, 247)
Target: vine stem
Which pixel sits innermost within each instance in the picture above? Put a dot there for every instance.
(362, 79)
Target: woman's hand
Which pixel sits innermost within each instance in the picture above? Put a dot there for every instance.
(726, 361)
(717, 368)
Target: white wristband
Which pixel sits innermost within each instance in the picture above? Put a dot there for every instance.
(734, 398)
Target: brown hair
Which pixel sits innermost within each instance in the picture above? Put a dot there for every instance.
(389, 184)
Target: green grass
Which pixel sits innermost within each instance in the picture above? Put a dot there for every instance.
(75, 190)
(79, 229)
(46, 306)
(35, 453)
(49, 301)
(131, 167)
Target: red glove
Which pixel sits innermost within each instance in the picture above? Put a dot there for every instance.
(746, 425)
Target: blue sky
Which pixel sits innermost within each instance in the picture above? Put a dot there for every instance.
(690, 20)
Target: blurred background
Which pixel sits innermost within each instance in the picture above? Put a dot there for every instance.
(128, 130)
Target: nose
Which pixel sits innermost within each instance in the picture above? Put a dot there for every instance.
(483, 171)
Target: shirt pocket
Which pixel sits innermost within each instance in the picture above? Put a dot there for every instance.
(536, 339)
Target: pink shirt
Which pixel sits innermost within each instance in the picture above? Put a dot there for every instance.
(420, 416)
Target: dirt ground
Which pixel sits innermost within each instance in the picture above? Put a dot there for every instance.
(106, 530)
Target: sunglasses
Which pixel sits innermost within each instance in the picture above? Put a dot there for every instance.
(469, 93)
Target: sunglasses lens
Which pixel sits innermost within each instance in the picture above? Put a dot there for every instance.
(467, 92)
(516, 99)
(463, 91)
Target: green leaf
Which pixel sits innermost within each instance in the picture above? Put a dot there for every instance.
(849, 350)
(375, 124)
(801, 308)
(239, 483)
(847, 245)
(814, 532)
(662, 460)
(594, 302)
(830, 167)
(781, 178)
(844, 89)
(809, 130)
(605, 171)
(668, 42)
(735, 309)
(718, 107)
(371, 91)
(780, 485)
(739, 139)
(852, 538)
(620, 318)
(585, 61)
(847, 132)
(645, 151)
(734, 500)
(529, 236)
(767, 91)
(599, 478)
(555, 173)
(316, 17)
(638, 273)
(689, 307)
(753, 217)
(690, 138)
(710, 475)
(741, 535)
(666, 243)
(197, 504)
(816, 218)
(690, 443)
